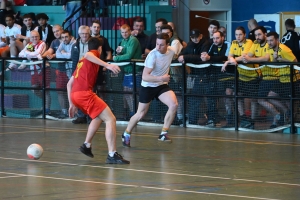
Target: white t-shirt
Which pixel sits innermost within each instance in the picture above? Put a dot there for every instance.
(16, 29)
(160, 63)
(2, 28)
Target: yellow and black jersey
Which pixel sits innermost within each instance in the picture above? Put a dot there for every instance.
(287, 54)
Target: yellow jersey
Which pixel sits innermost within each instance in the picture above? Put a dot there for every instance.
(287, 54)
(237, 50)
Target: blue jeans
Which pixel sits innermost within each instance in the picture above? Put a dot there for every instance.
(70, 8)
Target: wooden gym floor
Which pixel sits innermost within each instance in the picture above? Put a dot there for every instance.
(199, 164)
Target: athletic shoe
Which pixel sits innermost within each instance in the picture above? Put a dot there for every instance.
(62, 116)
(125, 141)
(210, 123)
(245, 124)
(86, 151)
(116, 159)
(11, 66)
(164, 138)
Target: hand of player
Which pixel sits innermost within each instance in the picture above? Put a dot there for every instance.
(72, 111)
(114, 68)
(165, 78)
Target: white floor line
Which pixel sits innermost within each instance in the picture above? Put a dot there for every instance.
(153, 172)
(138, 186)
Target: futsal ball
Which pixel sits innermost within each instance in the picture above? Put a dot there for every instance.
(35, 151)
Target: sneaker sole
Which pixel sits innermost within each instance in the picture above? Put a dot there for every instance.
(82, 151)
(125, 145)
(115, 162)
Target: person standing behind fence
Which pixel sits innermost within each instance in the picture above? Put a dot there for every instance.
(34, 49)
(252, 24)
(151, 43)
(281, 86)
(64, 71)
(247, 78)
(129, 48)
(79, 49)
(291, 38)
(191, 54)
(70, 6)
(80, 95)
(218, 52)
(105, 55)
(138, 32)
(258, 53)
(155, 85)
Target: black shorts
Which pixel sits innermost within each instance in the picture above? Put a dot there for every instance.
(265, 86)
(147, 94)
(248, 88)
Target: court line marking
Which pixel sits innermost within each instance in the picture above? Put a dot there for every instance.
(138, 186)
(153, 172)
(207, 138)
(10, 177)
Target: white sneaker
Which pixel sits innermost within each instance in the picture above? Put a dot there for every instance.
(11, 66)
(22, 67)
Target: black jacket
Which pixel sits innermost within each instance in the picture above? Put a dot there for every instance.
(24, 29)
(50, 36)
(219, 56)
(192, 52)
(291, 39)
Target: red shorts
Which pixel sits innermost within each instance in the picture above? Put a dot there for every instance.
(3, 49)
(37, 78)
(88, 102)
(61, 79)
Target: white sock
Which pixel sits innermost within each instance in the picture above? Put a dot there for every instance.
(126, 134)
(88, 145)
(111, 154)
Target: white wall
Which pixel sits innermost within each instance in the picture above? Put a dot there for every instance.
(221, 8)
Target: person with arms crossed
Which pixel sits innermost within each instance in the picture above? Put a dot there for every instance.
(155, 85)
(81, 95)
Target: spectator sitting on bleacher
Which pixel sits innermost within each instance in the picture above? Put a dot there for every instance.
(34, 49)
(44, 29)
(3, 45)
(11, 31)
(26, 29)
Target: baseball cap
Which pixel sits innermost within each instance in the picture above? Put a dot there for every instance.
(195, 33)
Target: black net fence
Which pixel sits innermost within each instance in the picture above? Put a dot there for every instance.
(247, 97)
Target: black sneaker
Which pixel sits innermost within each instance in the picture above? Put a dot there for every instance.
(117, 159)
(86, 151)
(125, 141)
(164, 138)
(80, 120)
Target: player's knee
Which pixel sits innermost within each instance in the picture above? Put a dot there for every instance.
(173, 106)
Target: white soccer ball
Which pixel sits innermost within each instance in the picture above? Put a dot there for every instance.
(35, 151)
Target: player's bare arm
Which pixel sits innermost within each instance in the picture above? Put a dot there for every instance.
(72, 108)
(149, 78)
